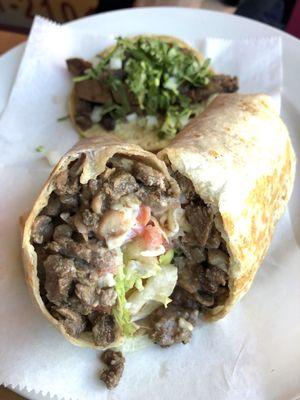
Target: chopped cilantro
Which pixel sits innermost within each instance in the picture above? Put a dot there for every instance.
(40, 149)
(63, 118)
(155, 74)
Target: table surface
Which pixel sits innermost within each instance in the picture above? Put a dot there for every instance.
(9, 40)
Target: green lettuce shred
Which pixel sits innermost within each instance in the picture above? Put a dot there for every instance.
(121, 314)
(166, 258)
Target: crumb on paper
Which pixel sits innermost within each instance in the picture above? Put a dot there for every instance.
(113, 371)
(64, 118)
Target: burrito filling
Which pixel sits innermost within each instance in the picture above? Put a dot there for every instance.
(202, 262)
(121, 255)
(155, 82)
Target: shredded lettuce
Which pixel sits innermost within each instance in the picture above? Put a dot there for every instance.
(166, 258)
(158, 288)
(149, 281)
(120, 312)
(135, 271)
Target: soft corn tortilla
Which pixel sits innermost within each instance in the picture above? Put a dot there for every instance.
(98, 151)
(135, 132)
(239, 156)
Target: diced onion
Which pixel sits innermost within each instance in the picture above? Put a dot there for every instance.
(115, 63)
(171, 83)
(96, 114)
(151, 121)
(52, 157)
(131, 117)
(153, 252)
(106, 280)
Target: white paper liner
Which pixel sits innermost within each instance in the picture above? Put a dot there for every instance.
(253, 353)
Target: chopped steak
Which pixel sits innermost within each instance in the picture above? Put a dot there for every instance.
(77, 66)
(149, 176)
(94, 91)
(222, 295)
(107, 297)
(189, 278)
(229, 84)
(186, 187)
(108, 123)
(83, 107)
(201, 256)
(200, 218)
(214, 239)
(76, 167)
(42, 229)
(62, 231)
(98, 203)
(104, 259)
(119, 184)
(191, 250)
(69, 202)
(215, 274)
(93, 186)
(205, 299)
(184, 299)
(155, 199)
(173, 325)
(77, 305)
(206, 285)
(72, 321)
(53, 207)
(86, 293)
(217, 84)
(90, 219)
(83, 111)
(104, 330)
(69, 248)
(66, 185)
(60, 274)
(112, 374)
(218, 258)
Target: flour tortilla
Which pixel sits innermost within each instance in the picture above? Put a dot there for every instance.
(98, 151)
(136, 132)
(239, 156)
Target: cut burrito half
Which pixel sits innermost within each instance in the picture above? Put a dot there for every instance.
(235, 166)
(113, 249)
(143, 90)
(97, 243)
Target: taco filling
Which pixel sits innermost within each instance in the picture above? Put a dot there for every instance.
(158, 83)
(122, 256)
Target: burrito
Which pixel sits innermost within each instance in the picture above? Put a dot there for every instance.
(96, 245)
(235, 166)
(143, 90)
(122, 243)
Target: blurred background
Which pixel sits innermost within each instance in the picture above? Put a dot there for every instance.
(17, 15)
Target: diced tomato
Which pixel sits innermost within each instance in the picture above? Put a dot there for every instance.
(113, 269)
(152, 237)
(144, 215)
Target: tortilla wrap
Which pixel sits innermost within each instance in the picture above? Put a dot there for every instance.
(239, 157)
(98, 151)
(134, 132)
